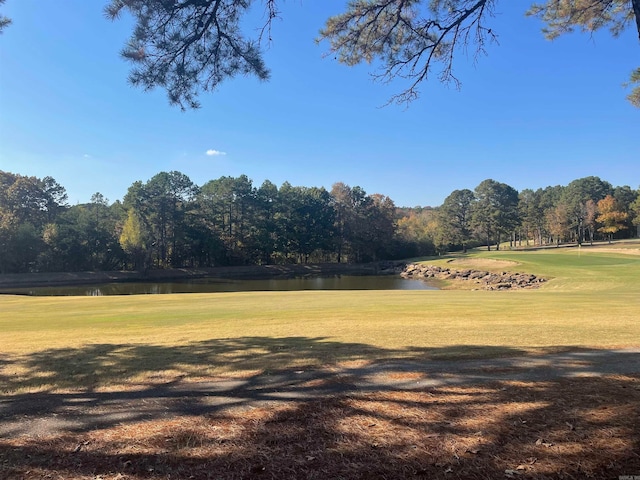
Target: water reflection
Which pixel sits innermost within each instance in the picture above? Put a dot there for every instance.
(210, 285)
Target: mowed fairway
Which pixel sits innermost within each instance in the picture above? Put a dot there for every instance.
(465, 384)
(591, 300)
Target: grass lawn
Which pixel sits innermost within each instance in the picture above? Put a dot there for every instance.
(591, 300)
(57, 348)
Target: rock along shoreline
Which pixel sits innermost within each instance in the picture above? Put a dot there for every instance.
(483, 279)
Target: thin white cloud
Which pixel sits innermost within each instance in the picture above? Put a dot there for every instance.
(215, 153)
(86, 155)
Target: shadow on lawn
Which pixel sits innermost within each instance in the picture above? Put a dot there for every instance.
(98, 365)
(330, 414)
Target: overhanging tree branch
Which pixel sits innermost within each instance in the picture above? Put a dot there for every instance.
(407, 43)
(189, 46)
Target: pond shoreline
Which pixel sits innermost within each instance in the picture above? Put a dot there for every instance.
(253, 272)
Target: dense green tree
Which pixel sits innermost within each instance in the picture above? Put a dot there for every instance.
(229, 206)
(268, 204)
(532, 214)
(30, 199)
(456, 217)
(304, 221)
(626, 196)
(351, 206)
(162, 203)
(27, 205)
(380, 228)
(634, 213)
(24, 247)
(365, 225)
(83, 237)
(495, 212)
(575, 197)
(72, 241)
(343, 207)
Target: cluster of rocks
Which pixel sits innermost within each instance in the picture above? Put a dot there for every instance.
(485, 280)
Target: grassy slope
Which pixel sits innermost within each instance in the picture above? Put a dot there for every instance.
(593, 300)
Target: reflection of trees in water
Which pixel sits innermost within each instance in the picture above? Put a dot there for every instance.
(336, 282)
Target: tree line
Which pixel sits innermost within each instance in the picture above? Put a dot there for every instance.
(170, 222)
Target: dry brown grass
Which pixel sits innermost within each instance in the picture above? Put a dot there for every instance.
(482, 263)
(572, 428)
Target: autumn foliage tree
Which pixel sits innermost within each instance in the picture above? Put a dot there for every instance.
(558, 222)
(611, 216)
(132, 239)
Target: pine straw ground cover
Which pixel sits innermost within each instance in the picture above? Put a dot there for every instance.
(575, 428)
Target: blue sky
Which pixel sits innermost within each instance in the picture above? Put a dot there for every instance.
(532, 113)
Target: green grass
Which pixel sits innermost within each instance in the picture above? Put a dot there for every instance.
(592, 300)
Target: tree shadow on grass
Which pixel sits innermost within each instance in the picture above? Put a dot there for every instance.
(329, 413)
(96, 365)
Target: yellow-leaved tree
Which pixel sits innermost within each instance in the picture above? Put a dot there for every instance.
(611, 217)
(132, 239)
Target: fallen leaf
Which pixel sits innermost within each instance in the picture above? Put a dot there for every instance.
(543, 443)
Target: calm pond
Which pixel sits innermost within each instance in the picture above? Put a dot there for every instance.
(209, 285)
